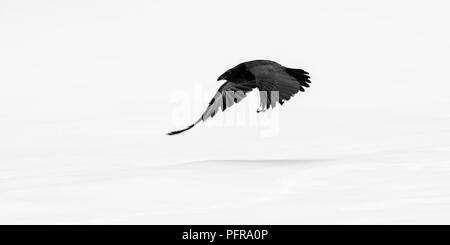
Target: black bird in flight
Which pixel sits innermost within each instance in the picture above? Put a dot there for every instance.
(274, 81)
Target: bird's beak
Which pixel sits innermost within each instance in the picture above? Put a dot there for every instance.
(222, 77)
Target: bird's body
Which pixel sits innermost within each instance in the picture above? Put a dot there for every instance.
(275, 82)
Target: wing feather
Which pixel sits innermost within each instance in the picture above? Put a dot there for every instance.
(228, 94)
(278, 83)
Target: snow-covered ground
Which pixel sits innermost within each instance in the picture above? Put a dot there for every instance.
(394, 187)
(88, 90)
(392, 178)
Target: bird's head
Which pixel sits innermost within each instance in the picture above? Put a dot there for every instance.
(238, 73)
(225, 76)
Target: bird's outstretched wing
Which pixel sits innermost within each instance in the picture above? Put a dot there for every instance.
(227, 95)
(278, 84)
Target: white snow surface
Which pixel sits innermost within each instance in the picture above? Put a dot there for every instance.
(88, 90)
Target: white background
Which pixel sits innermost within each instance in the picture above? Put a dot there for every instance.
(86, 97)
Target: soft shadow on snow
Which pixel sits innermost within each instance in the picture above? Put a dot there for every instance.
(255, 163)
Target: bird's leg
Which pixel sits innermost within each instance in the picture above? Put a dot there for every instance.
(260, 109)
(263, 101)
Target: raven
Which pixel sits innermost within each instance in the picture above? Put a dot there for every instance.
(274, 81)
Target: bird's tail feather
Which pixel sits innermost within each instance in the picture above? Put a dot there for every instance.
(182, 130)
(301, 76)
